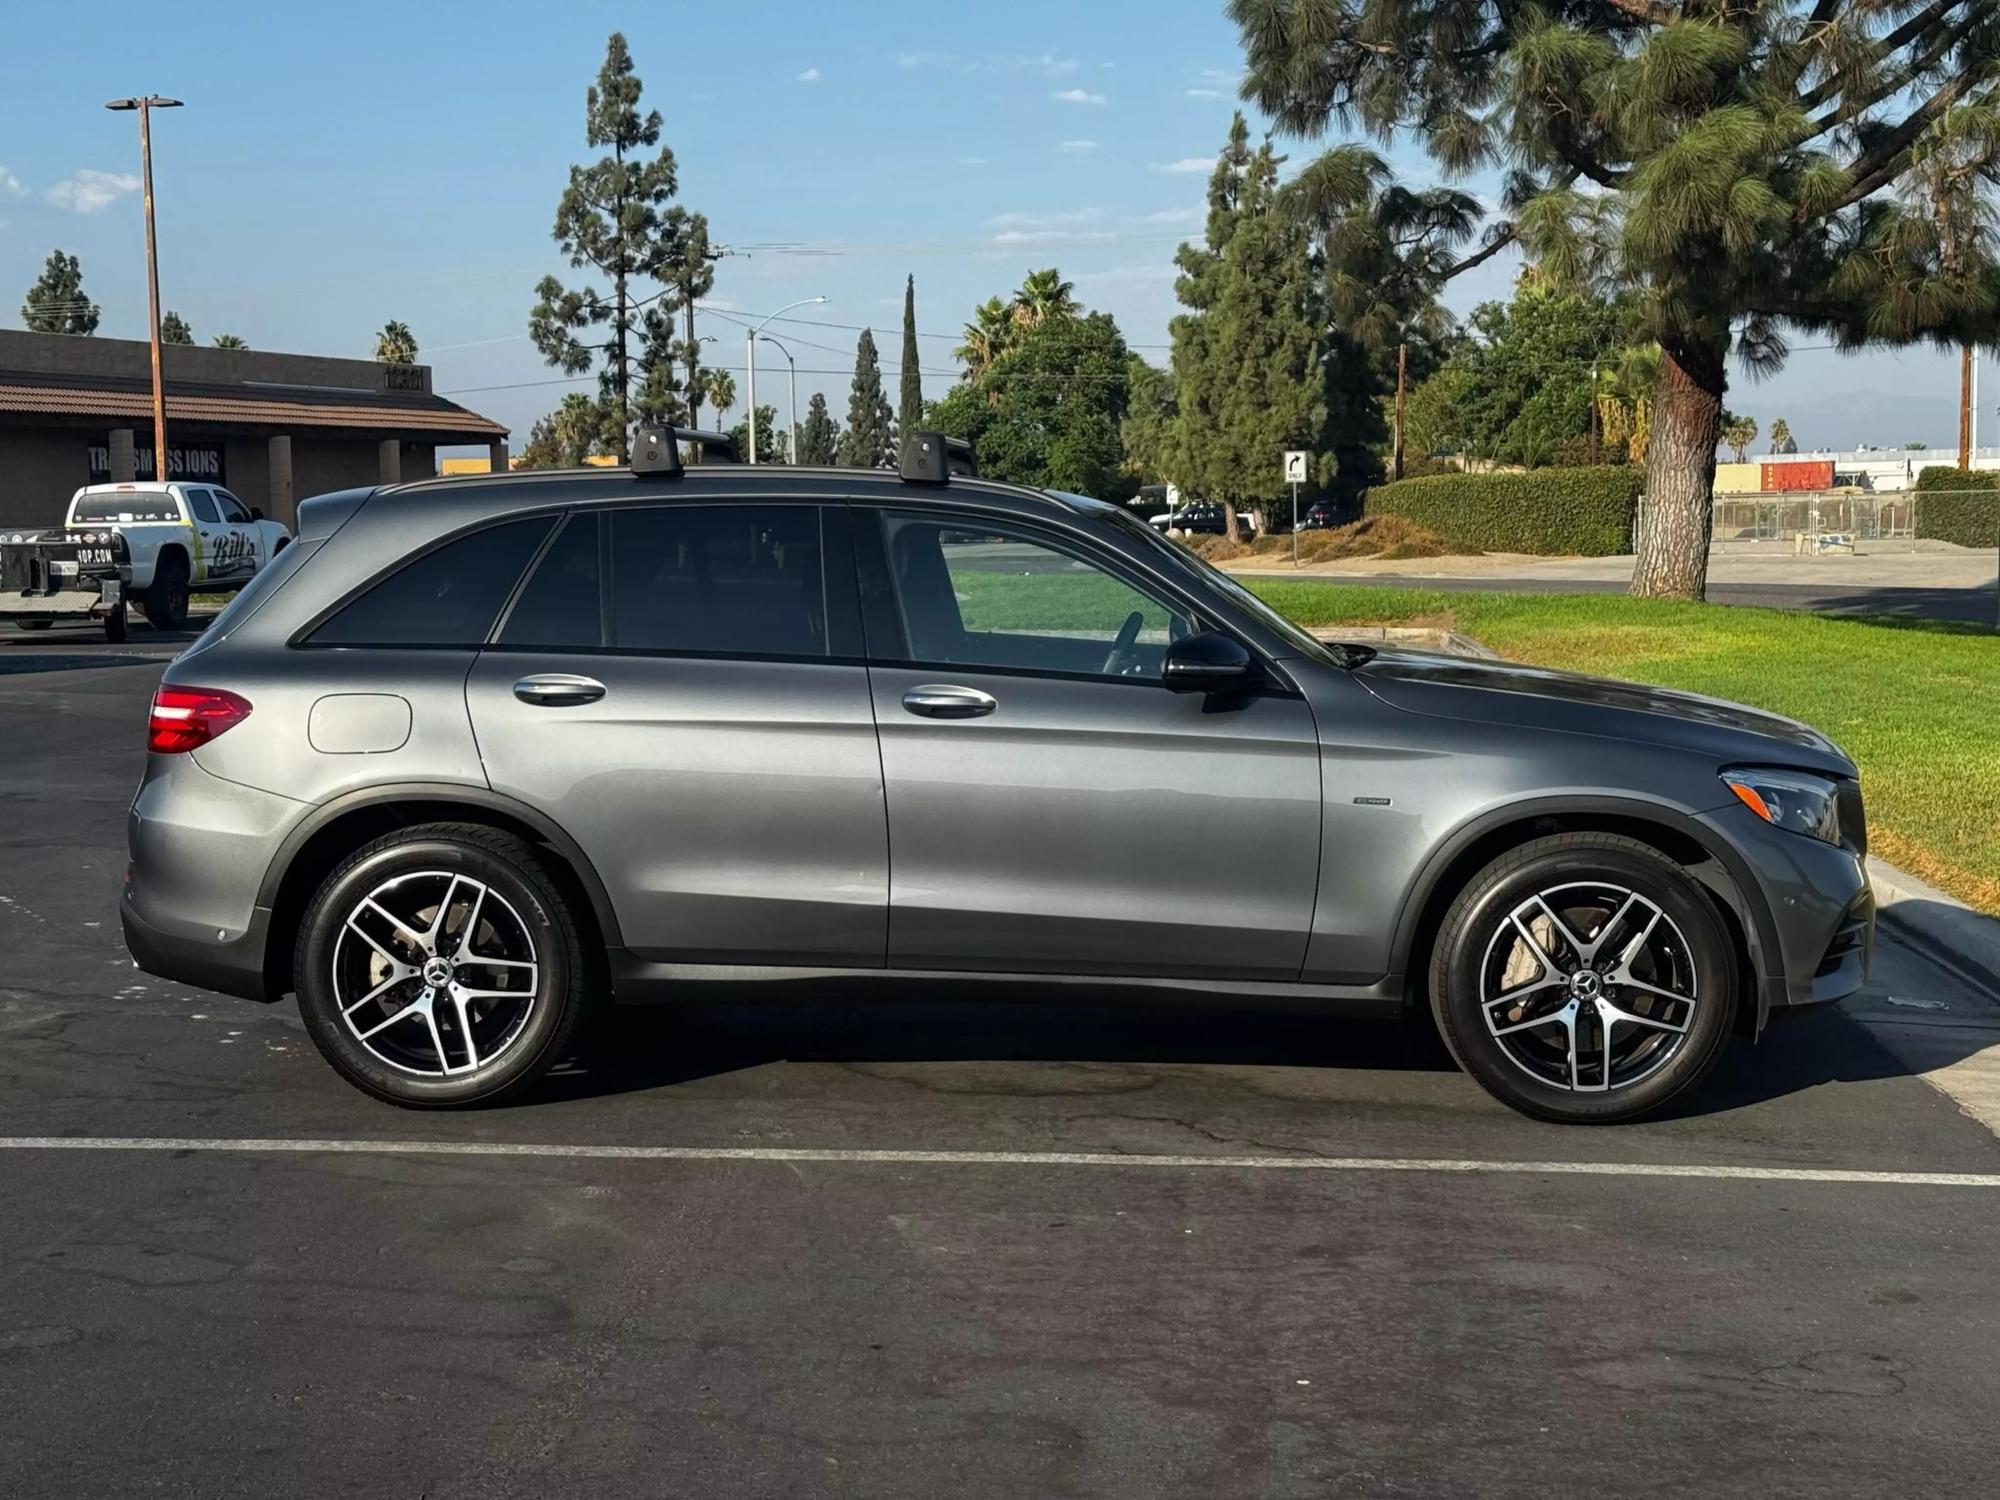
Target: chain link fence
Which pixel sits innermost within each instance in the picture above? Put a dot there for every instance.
(1824, 515)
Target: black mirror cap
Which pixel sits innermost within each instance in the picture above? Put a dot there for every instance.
(256, 514)
(1210, 662)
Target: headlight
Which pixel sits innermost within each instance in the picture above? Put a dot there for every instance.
(1795, 800)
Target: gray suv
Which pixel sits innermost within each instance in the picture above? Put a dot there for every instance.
(474, 756)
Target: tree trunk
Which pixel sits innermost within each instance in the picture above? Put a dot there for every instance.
(1680, 470)
(1229, 519)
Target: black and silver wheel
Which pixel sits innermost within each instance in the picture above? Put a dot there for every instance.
(1584, 978)
(440, 965)
(166, 600)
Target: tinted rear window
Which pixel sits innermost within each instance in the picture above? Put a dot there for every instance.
(448, 597)
(562, 606)
(735, 580)
(134, 506)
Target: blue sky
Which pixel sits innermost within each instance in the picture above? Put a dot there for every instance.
(337, 166)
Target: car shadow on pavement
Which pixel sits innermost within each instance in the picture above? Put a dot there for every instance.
(635, 1050)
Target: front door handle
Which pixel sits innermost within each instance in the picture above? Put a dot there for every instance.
(942, 701)
(558, 689)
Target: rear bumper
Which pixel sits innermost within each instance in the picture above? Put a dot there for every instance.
(233, 966)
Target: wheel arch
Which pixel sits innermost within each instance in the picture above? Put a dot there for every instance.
(338, 827)
(1695, 847)
(163, 553)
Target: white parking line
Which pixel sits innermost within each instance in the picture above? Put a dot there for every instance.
(834, 1156)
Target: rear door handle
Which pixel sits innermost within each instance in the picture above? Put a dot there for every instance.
(942, 701)
(558, 689)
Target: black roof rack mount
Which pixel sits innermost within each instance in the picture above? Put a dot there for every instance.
(932, 458)
(656, 448)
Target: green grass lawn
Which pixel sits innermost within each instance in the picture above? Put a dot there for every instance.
(1916, 703)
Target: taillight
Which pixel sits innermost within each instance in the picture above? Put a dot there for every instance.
(184, 717)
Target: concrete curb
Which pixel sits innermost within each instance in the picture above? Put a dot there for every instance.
(1944, 927)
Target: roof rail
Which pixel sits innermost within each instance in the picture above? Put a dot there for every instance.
(656, 448)
(932, 458)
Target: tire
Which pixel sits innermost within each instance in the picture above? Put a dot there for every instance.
(526, 943)
(116, 622)
(1674, 999)
(35, 624)
(166, 601)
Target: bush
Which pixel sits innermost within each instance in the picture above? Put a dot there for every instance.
(1959, 506)
(1379, 536)
(1586, 511)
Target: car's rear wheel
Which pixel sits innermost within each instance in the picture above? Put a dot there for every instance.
(440, 965)
(115, 623)
(166, 601)
(36, 624)
(1584, 978)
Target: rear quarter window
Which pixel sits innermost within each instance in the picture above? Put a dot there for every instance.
(449, 596)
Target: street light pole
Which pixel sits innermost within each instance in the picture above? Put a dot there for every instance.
(792, 435)
(145, 106)
(750, 359)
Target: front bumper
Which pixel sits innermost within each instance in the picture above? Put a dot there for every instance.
(1812, 922)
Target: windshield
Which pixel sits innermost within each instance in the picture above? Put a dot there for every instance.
(123, 505)
(1204, 575)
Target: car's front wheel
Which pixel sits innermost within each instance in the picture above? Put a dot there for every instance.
(440, 965)
(1584, 978)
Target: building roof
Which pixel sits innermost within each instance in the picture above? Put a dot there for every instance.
(244, 403)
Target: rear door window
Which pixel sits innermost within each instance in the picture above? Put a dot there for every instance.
(562, 608)
(203, 506)
(449, 596)
(725, 580)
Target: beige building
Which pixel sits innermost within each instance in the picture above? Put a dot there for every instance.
(273, 428)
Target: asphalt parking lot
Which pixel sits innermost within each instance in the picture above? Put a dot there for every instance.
(935, 1247)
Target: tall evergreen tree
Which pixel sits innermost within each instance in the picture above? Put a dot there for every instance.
(1248, 356)
(612, 219)
(395, 344)
(770, 436)
(687, 271)
(910, 408)
(869, 441)
(1733, 164)
(174, 329)
(819, 434)
(56, 302)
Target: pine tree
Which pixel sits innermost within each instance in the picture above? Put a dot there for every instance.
(819, 434)
(770, 437)
(1249, 378)
(686, 270)
(395, 344)
(56, 302)
(910, 409)
(869, 441)
(174, 329)
(611, 219)
(1747, 169)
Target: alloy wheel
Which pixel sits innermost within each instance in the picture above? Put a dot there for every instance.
(1588, 987)
(435, 973)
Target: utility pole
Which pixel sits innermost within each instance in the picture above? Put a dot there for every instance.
(145, 106)
(1595, 449)
(1402, 369)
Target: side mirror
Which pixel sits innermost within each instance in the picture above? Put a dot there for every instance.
(1207, 663)
(256, 514)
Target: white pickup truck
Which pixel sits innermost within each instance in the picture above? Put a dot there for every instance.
(146, 542)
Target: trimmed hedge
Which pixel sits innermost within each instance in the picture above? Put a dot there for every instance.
(1587, 511)
(1959, 507)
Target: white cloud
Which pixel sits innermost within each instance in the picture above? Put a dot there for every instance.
(1050, 63)
(1203, 94)
(1186, 166)
(811, 75)
(1149, 273)
(1192, 215)
(1024, 218)
(924, 59)
(10, 185)
(1016, 238)
(1077, 96)
(972, 161)
(1226, 78)
(89, 191)
(1079, 148)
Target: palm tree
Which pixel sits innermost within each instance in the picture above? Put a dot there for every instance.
(1739, 433)
(987, 337)
(1044, 295)
(230, 341)
(718, 392)
(395, 344)
(1781, 437)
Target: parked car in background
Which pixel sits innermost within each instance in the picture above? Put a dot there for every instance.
(1319, 517)
(1201, 516)
(476, 755)
(153, 544)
